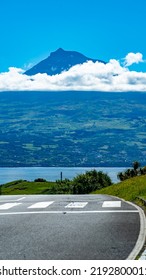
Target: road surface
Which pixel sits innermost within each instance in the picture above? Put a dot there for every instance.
(71, 227)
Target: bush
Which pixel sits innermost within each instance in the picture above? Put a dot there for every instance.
(90, 181)
(40, 180)
(133, 172)
(64, 186)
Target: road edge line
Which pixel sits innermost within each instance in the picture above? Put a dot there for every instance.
(142, 234)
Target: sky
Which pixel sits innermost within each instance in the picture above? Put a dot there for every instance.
(107, 30)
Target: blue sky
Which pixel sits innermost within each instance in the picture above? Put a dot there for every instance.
(105, 29)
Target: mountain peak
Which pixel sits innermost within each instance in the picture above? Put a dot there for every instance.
(59, 61)
(58, 51)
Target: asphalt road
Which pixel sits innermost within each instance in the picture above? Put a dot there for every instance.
(57, 227)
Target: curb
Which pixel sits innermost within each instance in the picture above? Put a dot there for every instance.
(142, 200)
(142, 235)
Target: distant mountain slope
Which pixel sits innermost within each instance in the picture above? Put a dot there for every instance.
(59, 61)
(72, 128)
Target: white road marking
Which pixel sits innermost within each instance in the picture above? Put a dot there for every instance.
(8, 205)
(111, 204)
(21, 198)
(68, 212)
(12, 200)
(76, 205)
(41, 204)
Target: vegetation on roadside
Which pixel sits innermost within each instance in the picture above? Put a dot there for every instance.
(90, 181)
(133, 172)
(25, 187)
(81, 184)
(128, 189)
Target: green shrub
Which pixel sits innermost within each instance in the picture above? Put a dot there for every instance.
(40, 180)
(90, 181)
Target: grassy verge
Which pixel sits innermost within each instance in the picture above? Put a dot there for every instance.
(129, 190)
(25, 187)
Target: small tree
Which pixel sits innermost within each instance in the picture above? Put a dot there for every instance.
(90, 181)
(136, 165)
(142, 170)
(129, 173)
(121, 176)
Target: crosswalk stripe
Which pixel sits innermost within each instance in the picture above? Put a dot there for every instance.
(111, 204)
(41, 204)
(8, 205)
(76, 205)
(45, 204)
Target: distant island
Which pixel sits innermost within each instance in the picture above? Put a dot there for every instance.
(82, 129)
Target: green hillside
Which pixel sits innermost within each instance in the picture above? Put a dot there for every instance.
(21, 187)
(129, 189)
(72, 129)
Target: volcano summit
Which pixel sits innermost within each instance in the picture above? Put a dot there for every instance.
(59, 61)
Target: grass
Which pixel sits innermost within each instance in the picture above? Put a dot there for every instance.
(129, 189)
(25, 187)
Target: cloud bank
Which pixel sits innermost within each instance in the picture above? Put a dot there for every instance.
(89, 76)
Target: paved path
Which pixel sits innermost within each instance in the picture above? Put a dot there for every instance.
(67, 227)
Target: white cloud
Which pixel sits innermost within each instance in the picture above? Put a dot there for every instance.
(88, 76)
(132, 58)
